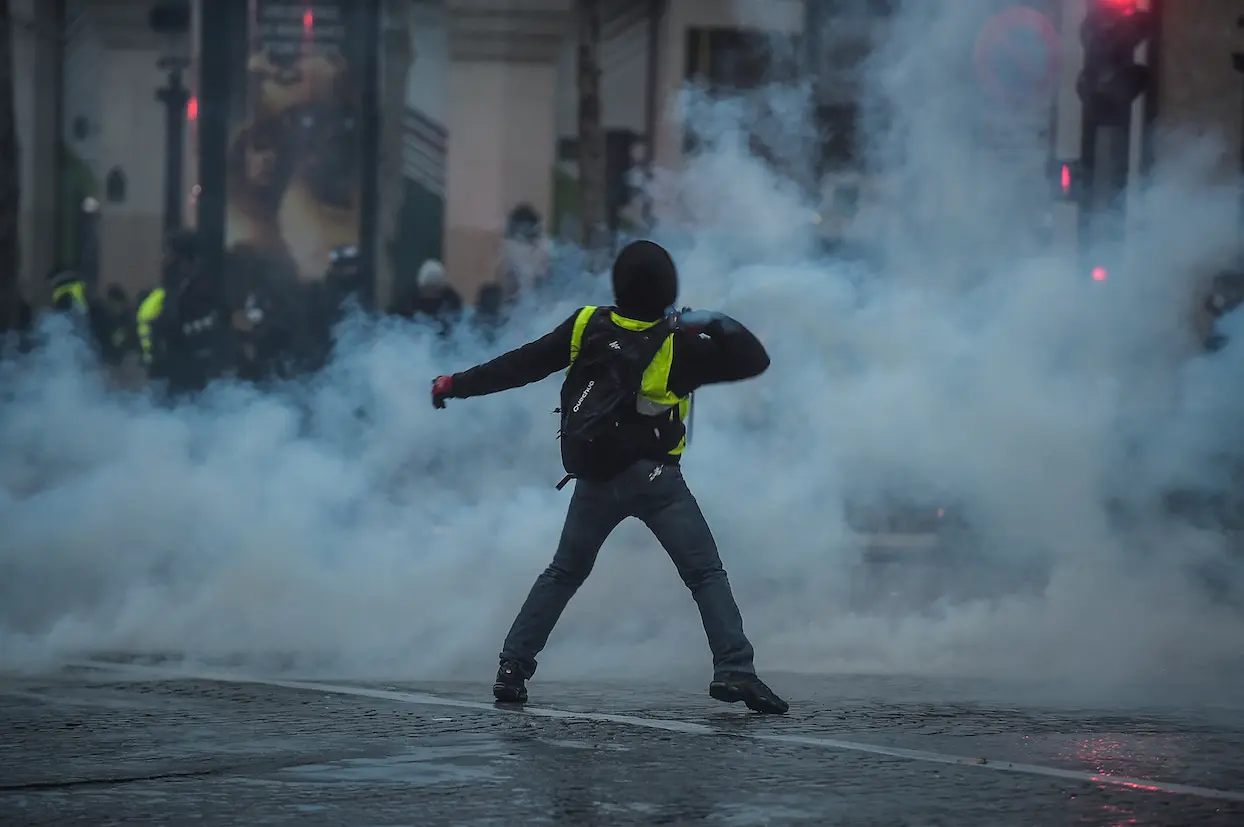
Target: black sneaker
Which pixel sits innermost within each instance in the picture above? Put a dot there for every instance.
(733, 687)
(511, 686)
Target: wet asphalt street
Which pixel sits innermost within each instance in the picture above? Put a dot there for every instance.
(146, 745)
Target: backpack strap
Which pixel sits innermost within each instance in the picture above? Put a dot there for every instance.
(656, 336)
(653, 339)
(581, 320)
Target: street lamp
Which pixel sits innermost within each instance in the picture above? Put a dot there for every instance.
(171, 20)
(88, 241)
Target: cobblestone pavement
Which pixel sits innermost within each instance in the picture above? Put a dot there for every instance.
(102, 746)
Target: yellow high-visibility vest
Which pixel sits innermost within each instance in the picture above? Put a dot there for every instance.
(654, 393)
(73, 290)
(148, 312)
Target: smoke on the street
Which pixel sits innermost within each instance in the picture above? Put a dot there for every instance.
(348, 526)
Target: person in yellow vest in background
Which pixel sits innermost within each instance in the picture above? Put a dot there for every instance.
(151, 345)
(183, 331)
(107, 323)
(156, 320)
(69, 293)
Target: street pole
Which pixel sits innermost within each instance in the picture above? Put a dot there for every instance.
(814, 14)
(171, 20)
(175, 96)
(87, 242)
(10, 179)
(1237, 63)
(1109, 85)
(1105, 152)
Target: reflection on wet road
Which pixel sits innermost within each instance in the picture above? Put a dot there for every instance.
(149, 744)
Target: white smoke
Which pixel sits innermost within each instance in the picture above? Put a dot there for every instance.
(349, 527)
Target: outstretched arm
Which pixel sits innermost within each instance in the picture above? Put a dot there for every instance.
(530, 363)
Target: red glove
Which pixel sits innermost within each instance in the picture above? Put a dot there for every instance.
(442, 389)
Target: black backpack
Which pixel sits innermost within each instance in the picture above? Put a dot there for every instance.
(602, 431)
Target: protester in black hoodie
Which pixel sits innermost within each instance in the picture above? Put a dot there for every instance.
(702, 348)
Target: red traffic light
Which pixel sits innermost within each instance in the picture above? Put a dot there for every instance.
(1111, 79)
(1064, 176)
(1119, 23)
(1099, 274)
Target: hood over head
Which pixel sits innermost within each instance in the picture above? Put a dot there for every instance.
(645, 281)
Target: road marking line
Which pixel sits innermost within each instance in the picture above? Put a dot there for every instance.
(685, 727)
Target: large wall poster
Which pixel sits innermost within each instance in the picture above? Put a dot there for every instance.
(294, 171)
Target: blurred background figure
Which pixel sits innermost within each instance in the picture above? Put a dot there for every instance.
(1226, 294)
(345, 274)
(70, 301)
(205, 347)
(113, 325)
(344, 283)
(524, 265)
(69, 293)
(267, 312)
(152, 327)
(433, 301)
(490, 312)
(180, 326)
(324, 304)
(271, 337)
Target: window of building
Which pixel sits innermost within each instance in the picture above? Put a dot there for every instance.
(838, 132)
(733, 61)
(737, 59)
(115, 186)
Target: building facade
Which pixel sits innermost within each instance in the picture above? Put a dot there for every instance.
(490, 114)
(36, 55)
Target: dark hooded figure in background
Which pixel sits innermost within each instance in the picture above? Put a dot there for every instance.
(630, 372)
(328, 302)
(112, 322)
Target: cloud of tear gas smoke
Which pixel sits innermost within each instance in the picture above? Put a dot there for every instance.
(351, 527)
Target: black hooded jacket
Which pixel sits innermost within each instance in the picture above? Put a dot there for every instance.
(645, 283)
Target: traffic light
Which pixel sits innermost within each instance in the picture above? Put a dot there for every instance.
(1066, 177)
(1111, 78)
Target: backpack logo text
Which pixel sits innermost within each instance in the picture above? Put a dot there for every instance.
(583, 396)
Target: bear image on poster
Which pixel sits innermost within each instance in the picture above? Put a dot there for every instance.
(293, 188)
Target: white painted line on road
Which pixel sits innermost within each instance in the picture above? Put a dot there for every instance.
(685, 727)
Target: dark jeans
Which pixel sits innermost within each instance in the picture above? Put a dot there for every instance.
(657, 495)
